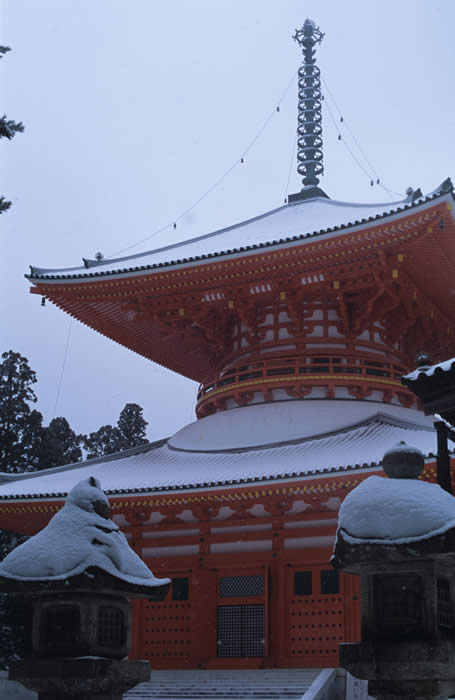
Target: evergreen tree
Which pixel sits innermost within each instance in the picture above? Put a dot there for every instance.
(132, 426)
(129, 432)
(8, 129)
(20, 425)
(104, 441)
(25, 445)
(20, 431)
(59, 444)
(15, 612)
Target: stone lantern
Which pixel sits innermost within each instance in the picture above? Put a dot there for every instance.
(398, 534)
(81, 573)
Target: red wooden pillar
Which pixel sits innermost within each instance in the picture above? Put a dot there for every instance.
(351, 607)
(137, 613)
(277, 628)
(204, 588)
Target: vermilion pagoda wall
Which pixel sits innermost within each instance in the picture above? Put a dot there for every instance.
(300, 630)
(275, 537)
(267, 530)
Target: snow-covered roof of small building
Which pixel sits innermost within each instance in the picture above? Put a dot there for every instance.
(292, 222)
(76, 540)
(187, 462)
(430, 370)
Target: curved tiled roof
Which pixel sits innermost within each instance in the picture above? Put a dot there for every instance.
(290, 223)
(428, 371)
(157, 467)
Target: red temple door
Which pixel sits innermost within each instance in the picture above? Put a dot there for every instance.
(242, 615)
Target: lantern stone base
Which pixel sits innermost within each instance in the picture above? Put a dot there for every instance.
(79, 678)
(418, 669)
(417, 690)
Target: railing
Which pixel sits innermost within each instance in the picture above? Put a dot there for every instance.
(330, 366)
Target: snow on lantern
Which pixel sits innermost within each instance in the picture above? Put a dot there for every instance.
(398, 534)
(81, 572)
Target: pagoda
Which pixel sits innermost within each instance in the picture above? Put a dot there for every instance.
(298, 325)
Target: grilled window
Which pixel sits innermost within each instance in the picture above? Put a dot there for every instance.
(445, 611)
(241, 586)
(111, 626)
(240, 630)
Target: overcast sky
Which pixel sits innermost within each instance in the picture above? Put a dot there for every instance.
(134, 108)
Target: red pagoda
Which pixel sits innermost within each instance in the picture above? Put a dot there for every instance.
(298, 325)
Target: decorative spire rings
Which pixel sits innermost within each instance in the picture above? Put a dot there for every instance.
(309, 129)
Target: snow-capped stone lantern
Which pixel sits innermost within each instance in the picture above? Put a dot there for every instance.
(398, 534)
(81, 572)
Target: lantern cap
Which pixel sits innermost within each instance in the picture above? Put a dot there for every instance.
(403, 461)
(80, 544)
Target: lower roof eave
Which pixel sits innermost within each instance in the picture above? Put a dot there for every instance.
(207, 490)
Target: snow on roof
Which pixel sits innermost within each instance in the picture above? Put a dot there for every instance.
(283, 421)
(395, 510)
(285, 224)
(76, 539)
(429, 371)
(160, 467)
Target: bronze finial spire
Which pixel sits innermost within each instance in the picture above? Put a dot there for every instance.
(309, 129)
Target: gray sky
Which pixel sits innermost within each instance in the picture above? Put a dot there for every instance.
(134, 108)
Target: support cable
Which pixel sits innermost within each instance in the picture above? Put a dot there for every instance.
(346, 144)
(240, 160)
(373, 174)
(291, 163)
(62, 372)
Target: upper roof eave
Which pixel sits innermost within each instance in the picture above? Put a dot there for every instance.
(39, 275)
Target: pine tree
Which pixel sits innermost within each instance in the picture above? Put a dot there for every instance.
(132, 426)
(20, 425)
(20, 430)
(25, 445)
(59, 444)
(15, 612)
(8, 129)
(104, 441)
(129, 432)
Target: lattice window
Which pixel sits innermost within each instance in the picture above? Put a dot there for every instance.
(111, 626)
(445, 610)
(241, 586)
(240, 630)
